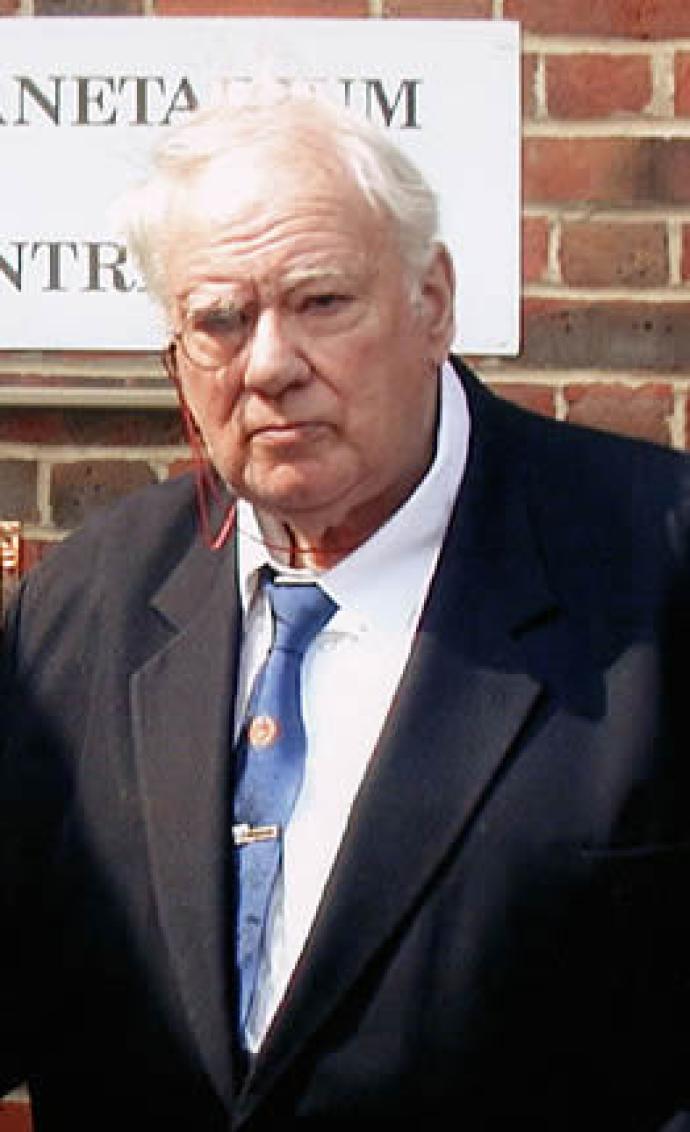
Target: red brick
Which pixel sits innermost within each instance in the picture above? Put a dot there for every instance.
(643, 411)
(607, 170)
(15, 1117)
(262, 7)
(612, 254)
(180, 467)
(538, 398)
(80, 488)
(90, 427)
(33, 552)
(8, 8)
(88, 7)
(683, 83)
(535, 248)
(581, 169)
(439, 9)
(529, 90)
(609, 335)
(635, 19)
(670, 162)
(18, 487)
(597, 86)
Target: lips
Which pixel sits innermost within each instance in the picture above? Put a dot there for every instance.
(287, 432)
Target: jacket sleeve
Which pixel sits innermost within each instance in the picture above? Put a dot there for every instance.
(13, 1061)
(31, 809)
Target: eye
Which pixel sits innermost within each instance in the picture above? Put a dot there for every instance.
(211, 337)
(221, 322)
(325, 302)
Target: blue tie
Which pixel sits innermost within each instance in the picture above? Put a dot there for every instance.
(269, 769)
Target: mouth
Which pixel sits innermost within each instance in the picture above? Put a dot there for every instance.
(295, 432)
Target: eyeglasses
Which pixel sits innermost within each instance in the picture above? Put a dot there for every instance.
(213, 335)
(211, 338)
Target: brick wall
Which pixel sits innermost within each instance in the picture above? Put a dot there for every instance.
(606, 251)
(606, 254)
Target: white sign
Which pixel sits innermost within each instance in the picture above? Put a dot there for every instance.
(82, 101)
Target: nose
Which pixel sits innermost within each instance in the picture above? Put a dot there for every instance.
(273, 362)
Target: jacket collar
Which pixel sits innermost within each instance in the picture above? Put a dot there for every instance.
(181, 702)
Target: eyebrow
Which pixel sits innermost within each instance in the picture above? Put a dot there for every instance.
(301, 276)
(228, 290)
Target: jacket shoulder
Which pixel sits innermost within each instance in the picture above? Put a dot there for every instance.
(109, 568)
(610, 514)
(153, 523)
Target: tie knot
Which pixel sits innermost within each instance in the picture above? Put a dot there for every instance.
(300, 611)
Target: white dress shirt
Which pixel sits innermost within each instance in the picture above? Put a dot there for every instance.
(349, 676)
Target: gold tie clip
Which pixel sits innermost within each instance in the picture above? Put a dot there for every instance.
(245, 834)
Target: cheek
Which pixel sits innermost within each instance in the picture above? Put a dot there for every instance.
(211, 401)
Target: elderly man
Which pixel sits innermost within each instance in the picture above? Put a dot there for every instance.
(365, 797)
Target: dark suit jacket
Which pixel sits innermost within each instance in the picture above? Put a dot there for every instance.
(503, 941)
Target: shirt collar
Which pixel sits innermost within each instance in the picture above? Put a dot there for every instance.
(383, 582)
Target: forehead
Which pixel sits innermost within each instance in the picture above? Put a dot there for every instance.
(269, 217)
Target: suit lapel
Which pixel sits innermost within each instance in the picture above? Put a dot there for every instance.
(465, 696)
(181, 704)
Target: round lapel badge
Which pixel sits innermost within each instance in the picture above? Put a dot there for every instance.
(263, 731)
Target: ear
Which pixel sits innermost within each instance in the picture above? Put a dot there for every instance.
(171, 363)
(437, 297)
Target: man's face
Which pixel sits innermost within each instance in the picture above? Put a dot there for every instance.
(323, 412)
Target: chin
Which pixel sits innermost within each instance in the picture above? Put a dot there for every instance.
(295, 490)
(291, 506)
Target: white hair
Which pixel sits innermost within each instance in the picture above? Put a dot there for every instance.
(277, 119)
